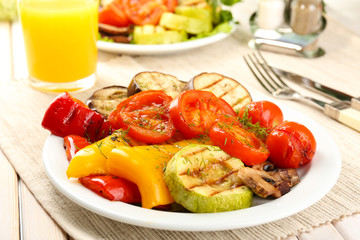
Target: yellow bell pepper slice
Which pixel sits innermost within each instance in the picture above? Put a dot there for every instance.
(92, 158)
(143, 165)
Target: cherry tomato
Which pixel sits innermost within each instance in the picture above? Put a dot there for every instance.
(291, 145)
(142, 12)
(268, 114)
(73, 143)
(146, 116)
(112, 188)
(114, 14)
(238, 142)
(194, 112)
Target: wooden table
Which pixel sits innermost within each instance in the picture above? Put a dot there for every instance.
(23, 217)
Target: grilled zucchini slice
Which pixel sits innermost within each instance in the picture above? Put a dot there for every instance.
(204, 179)
(227, 88)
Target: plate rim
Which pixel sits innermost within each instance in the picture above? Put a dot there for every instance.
(161, 49)
(210, 221)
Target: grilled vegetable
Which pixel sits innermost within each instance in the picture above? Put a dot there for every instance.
(92, 159)
(106, 99)
(73, 143)
(203, 179)
(67, 115)
(227, 88)
(144, 166)
(274, 182)
(112, 188)
(194, 112)
(144, 81)
(146, 117)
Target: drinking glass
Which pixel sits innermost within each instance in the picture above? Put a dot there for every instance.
(60, 42)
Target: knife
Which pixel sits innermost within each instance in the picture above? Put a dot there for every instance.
(319, 88)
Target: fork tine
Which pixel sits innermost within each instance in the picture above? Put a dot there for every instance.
(253, 72)
(270, 69)
(258, 71)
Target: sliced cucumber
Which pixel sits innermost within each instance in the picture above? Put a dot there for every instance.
(150, 34)
(204, 178)
(183, 23)
(203, 14)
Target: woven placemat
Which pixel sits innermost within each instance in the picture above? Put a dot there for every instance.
(22, 138)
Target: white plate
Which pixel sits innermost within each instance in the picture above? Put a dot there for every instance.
(317, 178)
(137, 49)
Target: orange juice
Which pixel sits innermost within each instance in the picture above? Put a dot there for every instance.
(60, 40)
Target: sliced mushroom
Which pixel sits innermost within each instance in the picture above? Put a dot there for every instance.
(259, 182)
(289, 176)
(264, 166)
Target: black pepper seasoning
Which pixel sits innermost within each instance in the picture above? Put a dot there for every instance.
(305, 16)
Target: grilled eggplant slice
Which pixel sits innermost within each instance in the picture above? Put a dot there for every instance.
(204, 178)
(106, 99)
(144, 81)
(227, 88)
(113, 31)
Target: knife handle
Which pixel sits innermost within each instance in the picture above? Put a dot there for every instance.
(355, 103)
(342, 112)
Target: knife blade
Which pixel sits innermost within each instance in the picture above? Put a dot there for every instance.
(319, 88)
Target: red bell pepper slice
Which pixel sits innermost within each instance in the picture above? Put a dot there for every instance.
(112, 188)
(73, 144)
(69, 116)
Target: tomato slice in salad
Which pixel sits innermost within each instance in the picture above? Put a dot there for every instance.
(291, 145)
(146, 116)
(114, 14)
(194, 112)
(142, 12)
(171, 5)
(238, 142)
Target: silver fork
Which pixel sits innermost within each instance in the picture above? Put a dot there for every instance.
(272, 83)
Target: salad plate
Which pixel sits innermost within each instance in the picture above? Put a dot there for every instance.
(160, 49)
(317, 179)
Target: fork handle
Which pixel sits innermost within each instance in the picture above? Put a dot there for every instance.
(344, 113)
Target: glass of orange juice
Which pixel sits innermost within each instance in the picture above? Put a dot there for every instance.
(60, 41)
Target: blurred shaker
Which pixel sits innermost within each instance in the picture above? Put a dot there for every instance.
(305, 16)
(270, 14)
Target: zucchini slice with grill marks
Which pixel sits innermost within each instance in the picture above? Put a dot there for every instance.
(205, 179)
